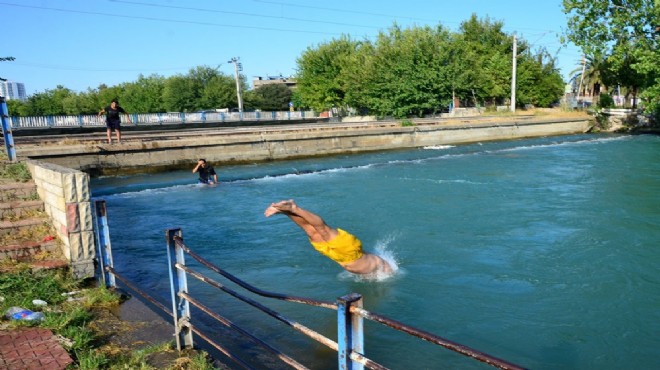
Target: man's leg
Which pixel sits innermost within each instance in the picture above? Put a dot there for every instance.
(109, 133)
(118, 135)
(313, 225)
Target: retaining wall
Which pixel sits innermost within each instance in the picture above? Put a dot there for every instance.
(263, 144)
(66, 195)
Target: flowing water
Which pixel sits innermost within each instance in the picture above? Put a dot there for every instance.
(544, 252)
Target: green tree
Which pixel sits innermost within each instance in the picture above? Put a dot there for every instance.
(272, 97)
(319, 73)
(144, 95)
(403, 77)
(627, 31)
(17, 108)
(220, 92)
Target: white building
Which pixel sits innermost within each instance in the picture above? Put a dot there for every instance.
(12, 90)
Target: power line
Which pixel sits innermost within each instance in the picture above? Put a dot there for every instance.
(80, 69)
(206, 10)
(166, 19)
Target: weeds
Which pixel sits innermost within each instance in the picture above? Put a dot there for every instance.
(72, 319)
(36, 232)
(16, 172)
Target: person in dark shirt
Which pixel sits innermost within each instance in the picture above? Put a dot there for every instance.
(205, 171)
(113, 119)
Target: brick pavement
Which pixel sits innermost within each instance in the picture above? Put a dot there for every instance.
(32, 349)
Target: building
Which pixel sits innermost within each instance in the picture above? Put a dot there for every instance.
(288, 81)
(12, 90)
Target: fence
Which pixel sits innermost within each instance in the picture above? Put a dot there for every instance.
(350, 313)
(157, 119)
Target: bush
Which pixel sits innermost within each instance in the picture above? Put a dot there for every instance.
(605, 101)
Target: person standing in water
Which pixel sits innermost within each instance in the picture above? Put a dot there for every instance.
(113, 119)
(205, 172)
(336, 244)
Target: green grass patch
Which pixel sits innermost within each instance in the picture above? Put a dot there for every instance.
(15, 171)
(71, 316)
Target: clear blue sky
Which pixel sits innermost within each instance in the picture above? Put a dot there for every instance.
(82, 43)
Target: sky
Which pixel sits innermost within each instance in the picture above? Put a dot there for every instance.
(81, 44)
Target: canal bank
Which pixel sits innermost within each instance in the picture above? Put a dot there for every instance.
(154, 151)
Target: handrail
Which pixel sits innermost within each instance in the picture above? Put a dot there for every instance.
(350, 336)
(139, 119)
(456, 347)
(179, 242)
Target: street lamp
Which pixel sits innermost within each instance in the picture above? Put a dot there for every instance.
(237, 67)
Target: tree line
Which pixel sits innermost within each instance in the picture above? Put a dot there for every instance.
(201, 88)
(620, 41)
(422, 70)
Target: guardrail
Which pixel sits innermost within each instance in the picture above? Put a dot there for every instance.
(139, 119)
(350, 312)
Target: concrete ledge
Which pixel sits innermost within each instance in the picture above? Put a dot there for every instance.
(256, 144)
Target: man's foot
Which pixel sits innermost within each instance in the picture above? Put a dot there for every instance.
(281, 206)
(271, 210)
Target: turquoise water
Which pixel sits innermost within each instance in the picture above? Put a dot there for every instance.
(543, 252)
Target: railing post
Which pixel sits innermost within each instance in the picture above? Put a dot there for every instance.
(350, 331)
(103, 244)
(178, 284)
(6, 130)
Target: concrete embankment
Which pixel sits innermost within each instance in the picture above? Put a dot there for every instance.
(156, 151)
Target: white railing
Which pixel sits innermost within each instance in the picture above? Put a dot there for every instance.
(157, 119)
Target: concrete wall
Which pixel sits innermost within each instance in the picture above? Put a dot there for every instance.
(263, 144)
(66, 196)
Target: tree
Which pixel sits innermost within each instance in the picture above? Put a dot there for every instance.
(272, 97)
(319, 75)
(627, 32)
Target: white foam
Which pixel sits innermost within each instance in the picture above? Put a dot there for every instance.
(383, 251)
(439, 147)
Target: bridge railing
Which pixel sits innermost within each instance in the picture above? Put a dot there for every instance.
(139, 119)
(350, 312)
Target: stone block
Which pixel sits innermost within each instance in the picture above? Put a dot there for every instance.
(82, 269)
(82, 245)
(86, 216)
(72, 218)
(54, 200)
(69, 187)
(82, 187)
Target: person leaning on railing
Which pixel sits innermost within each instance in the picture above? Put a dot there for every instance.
(113, 119)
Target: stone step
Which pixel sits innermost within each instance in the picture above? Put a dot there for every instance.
(20, 208)
(27, 251)
(18, 191)
(10, 227)
(44, 255)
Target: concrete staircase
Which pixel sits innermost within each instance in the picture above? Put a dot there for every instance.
(26, 234)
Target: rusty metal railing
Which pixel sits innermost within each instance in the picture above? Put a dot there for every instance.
(350, 313)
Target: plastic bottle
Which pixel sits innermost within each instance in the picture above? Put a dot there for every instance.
(19, 313)
(35, 316)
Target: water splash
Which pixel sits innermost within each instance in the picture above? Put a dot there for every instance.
(383, 250)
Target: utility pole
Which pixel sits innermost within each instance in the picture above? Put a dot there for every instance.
(513, 75)
(238, 67)
(584, 66)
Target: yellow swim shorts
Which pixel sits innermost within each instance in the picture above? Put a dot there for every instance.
(344, 248)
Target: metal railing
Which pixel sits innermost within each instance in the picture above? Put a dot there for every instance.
(140, 119)
(350, 312)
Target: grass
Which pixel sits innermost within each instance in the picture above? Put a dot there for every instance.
(73, 320)
(18, 171)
